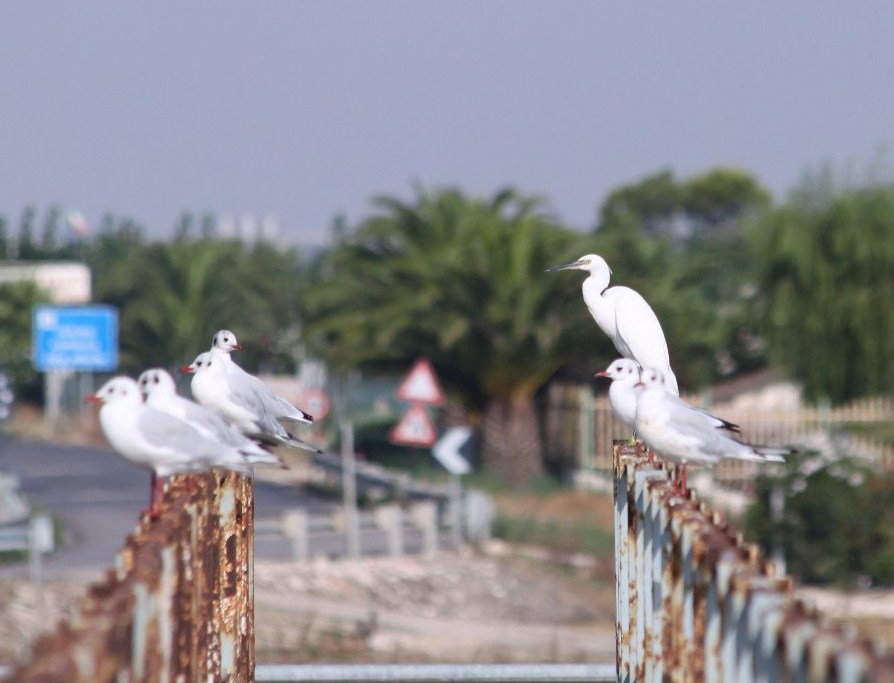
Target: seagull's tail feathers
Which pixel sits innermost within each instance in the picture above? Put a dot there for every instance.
(294, 414)
(765, 453)
(292, 442)
(264, 458)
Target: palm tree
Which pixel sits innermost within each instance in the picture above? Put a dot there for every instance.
(460, 280)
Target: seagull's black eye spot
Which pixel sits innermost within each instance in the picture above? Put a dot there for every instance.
(155, 379)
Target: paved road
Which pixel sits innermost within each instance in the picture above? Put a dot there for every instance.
(98, 496)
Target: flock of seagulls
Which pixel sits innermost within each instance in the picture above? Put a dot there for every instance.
(644, 394)
(232, 423)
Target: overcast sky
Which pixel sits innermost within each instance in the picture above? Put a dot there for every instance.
(306, 110)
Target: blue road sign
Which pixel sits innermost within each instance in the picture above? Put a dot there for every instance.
(74, 338)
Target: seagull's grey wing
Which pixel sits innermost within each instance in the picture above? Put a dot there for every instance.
(177, 439)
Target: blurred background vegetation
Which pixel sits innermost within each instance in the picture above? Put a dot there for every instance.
(739, 280)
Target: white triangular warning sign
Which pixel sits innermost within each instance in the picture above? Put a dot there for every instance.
(421, 385)
(414, 429)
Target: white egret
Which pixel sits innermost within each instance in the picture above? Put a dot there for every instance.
(625, 316)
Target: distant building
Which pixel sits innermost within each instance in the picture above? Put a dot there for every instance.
(65, 282)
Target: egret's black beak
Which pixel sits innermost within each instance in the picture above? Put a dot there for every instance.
(565, 266)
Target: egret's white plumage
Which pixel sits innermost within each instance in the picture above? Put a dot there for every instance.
(250, 406)
(684, 434)
(625, 316)
(155, 440)
(223, 342)
(161, 393)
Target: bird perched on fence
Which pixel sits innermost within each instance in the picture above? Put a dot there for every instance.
(155, 440)
(222, 344)
(251, 406)
(623, 314)
(623, 396)
(684, 434)
(161, 393)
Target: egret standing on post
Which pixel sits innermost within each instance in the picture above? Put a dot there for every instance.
(625, 317)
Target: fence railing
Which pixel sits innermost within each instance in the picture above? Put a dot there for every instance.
(178, 606)
(696, 603)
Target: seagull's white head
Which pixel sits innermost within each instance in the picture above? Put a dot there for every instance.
(592, 263)
(203, 363)
(651, 379)
(156, 381)
(119, 389)
(621, 370)
(225, 341)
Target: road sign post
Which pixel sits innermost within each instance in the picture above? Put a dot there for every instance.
(68, 339)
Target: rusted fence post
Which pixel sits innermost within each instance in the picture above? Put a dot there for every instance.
(697, 603)
(178, 607)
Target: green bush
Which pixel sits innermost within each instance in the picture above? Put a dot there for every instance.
(833, 520)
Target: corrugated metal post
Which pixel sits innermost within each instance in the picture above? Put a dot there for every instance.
(178, 607)
(625, 546)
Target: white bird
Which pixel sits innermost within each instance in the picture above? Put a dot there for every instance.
(250, 406)
(161, 393)
(623, 394)
(684, 434)
(155, 440)
(222, 344)
(624, 315)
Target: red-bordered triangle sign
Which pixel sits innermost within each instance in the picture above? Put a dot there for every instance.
(421, 385)
(414, 429)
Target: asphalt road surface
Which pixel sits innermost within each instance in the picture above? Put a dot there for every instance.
(98, 496)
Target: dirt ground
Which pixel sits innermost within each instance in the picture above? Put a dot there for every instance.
(499, 606)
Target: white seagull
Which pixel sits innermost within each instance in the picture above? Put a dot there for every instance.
(251, 406)
(155, 440)
(160, 391)
(624, 316)
(222, 344)
(684, 434)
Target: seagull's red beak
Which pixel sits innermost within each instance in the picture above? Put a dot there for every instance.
(602, 373)
(186, 369)
(639, 384)
(92, 398)
(237, 347)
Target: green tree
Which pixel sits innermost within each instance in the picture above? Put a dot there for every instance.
(16, 303)
(826, 277)
(460, 280)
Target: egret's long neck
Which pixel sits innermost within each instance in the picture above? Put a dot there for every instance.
(601, 310)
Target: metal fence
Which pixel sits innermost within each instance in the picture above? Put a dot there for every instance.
(178, 606)
(696, 603)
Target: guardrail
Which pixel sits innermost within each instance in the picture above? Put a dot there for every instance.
(179, 604)
(35, 536)
(298, 527)
(697, 603)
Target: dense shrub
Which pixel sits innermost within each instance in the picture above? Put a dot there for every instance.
(833, 518)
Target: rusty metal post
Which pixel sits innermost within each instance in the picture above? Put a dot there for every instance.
(697, 603)
(178, 606)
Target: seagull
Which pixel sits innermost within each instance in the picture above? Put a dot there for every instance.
(250, 406)
(684, 434)
(624, 316)
(161, 393)
(222, 344)
(155, 440)
(623, 394)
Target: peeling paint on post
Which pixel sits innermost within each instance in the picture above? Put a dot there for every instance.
(696, 603)
(179, 606)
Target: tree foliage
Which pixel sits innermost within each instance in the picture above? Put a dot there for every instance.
(462, 281)
(826, 274)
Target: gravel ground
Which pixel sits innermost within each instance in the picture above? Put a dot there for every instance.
(470, 607)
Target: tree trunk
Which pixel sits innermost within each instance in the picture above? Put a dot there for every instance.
(511, 435)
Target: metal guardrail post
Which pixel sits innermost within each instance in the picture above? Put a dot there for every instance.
(296, 527)
(178, 606)
(696, 603)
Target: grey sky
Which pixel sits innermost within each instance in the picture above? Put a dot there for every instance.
(304, 110)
